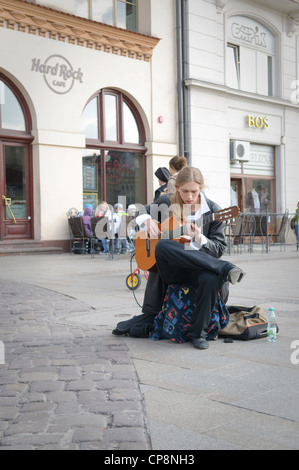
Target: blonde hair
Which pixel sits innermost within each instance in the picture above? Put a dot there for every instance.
(105, 204)
(188, 174)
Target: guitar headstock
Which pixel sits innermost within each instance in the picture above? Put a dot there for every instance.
(228, 213)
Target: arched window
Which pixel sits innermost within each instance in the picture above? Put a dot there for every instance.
(250, 56)
(113, 161)
(16, 204)
(12, 116)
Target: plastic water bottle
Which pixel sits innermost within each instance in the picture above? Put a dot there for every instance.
(272, 328)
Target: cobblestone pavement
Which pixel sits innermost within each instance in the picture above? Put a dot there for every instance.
(68, 383)
(64, 386)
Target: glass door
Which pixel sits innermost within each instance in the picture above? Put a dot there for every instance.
(236, 193)
(15, 185)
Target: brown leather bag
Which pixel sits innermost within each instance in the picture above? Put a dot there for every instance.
(245, 323)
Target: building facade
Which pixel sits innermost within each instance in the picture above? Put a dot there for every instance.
(242, 82)
(97, 94)
(80, 119)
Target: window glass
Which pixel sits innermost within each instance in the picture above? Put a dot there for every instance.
(89, 120)
(102, 11)
(232, 66)
(12, 116)
(248, 70)
(74, 7)
(124, 175)
(126, 15)
(15, 181)
(259, 197)
(255, 188)
(270, 75)
(112, 166)
(131, 131)
(79, 7)
(234, 193)
(256, 46)
(92, 177)
(110, 118)
(262, 68)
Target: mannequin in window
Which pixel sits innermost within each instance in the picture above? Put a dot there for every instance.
(264, 198)
(253, 201)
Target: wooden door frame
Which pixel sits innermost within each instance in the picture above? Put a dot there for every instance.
(18, 138)
(24, 228)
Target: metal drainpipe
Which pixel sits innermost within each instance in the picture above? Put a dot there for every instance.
(180, 83)
(186, 73)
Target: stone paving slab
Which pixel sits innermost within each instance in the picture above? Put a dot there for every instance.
(64, 386)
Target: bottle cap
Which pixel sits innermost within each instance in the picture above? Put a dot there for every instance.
(271, 308)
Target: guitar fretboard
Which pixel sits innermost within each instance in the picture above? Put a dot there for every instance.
(179, 231)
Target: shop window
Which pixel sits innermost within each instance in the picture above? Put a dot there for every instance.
(259, 195)
(120, 13)
(250, 56)
(113, 161)
(253, 182)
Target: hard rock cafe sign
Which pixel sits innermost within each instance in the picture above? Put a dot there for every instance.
(58, 73)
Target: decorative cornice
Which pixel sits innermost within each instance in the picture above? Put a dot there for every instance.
(292, 25)
(220, 5)
(34, 19)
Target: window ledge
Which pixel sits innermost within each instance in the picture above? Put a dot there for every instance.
(38, 20)
(192, 82)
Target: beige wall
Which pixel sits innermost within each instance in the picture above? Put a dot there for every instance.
(57, 162)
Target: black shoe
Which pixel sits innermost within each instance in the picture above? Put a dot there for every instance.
(118, 332)
(200, 343)
(235, 275)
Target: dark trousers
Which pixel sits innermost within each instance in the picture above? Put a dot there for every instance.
(176, 265)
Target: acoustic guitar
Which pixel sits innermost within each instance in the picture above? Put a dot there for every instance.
(172, 229)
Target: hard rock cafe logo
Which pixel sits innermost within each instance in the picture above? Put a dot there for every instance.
(58, 73)
(116, 168)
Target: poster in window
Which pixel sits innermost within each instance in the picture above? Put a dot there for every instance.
(90, 198)
(89, 177)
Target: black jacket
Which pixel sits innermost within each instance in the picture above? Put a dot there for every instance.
(213, 231)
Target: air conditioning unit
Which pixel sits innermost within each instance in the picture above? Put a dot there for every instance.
(240, 151)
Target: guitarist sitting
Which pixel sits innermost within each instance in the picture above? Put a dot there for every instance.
(197, 264)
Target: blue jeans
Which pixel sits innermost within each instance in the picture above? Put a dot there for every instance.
(105, 244)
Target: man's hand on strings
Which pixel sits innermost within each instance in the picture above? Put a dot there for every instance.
(194, 232)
